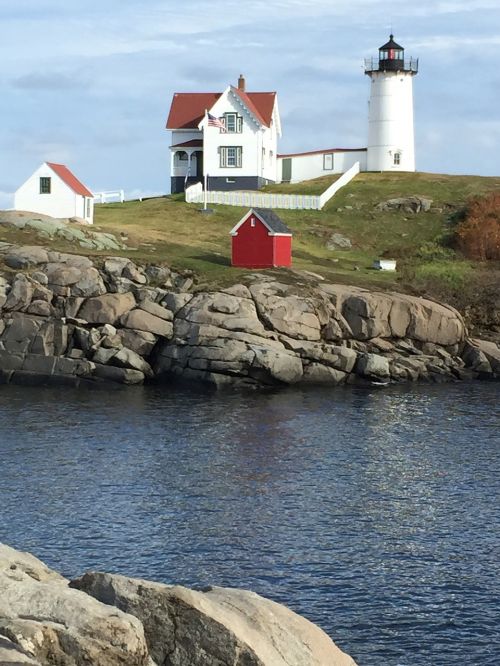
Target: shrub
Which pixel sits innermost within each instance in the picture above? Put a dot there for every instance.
(478, 236)
(435, 251)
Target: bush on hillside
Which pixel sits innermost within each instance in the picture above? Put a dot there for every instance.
(478, 235)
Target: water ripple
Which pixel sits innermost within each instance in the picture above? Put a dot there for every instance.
(373, 513)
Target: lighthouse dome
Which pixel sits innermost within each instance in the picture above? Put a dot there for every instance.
(391, 56)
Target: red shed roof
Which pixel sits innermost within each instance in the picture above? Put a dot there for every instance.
(70, 179)
(188, 109)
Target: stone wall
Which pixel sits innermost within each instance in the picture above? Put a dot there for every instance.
(64, 319)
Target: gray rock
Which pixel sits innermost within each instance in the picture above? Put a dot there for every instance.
(286, 312)
(120, 375)
(20, 332)
(139, 341)
(103, 355)
(126, 358)
(40, 277)
(182, 283)
(316, 373)
(282, 366)
(54, 624)
(373, 365)
(20, 294)
(26, 256)
(131, 272)
(40, 308)
(144, 321)
(217, 626)
(158, 274)
(106, 309)
(176, 302)
(13, 655)
(114, 265)
(412, 204)
(62, 275)
(89, 284)
(156, 310)
(489, 350)
(338, 241)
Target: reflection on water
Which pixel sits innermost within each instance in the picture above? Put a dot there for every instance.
(374, 513)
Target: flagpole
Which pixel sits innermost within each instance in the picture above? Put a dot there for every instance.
(205, 169)
(205, 209)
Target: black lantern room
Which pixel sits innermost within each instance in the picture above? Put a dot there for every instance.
(391, 58)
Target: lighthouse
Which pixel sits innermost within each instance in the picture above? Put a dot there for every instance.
(391, 142)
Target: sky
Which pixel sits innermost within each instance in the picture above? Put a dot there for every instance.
(88, 83)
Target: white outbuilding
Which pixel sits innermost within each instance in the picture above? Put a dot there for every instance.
(54, 190)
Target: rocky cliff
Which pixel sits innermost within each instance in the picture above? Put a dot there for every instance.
(109, 620)
(66, 319)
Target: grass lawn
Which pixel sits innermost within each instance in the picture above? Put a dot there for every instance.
(168, 230)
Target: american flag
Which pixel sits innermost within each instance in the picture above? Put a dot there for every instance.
(215, 122)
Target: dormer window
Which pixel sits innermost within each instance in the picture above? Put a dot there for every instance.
(233, 123)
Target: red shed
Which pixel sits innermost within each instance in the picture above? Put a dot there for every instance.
(261, 240)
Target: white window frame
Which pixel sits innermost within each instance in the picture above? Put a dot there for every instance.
(327, 162)
(237, 127)
(231, 157)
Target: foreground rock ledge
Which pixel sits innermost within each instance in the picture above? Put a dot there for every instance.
(107, 620)
(68, 320)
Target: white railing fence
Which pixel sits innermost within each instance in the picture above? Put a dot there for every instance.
(343, 180)
(194, 194)
(111, 195)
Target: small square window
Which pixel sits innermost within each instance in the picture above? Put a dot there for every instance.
(45, 185)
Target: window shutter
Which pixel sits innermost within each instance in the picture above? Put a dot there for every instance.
(240, 124)
(238, 156)
(221, 157)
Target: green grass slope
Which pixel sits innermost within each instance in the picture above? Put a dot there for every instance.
(167, 229)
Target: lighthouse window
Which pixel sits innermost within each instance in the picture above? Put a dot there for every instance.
(327, 162)
(397, 159)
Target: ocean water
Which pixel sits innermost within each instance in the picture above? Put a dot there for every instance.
(373, 512)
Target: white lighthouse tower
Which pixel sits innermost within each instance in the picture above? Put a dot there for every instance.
(391, 142)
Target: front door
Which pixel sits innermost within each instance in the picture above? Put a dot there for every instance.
(286, 174)
(199, 164)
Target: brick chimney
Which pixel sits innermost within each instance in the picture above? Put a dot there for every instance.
(241, 83)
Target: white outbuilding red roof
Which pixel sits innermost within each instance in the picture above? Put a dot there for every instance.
(70, 179)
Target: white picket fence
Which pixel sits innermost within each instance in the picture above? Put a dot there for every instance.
(104, 197)
(195, 194)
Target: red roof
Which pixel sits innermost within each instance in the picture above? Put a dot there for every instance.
(322, 152)
(188, 109)
(70, 179)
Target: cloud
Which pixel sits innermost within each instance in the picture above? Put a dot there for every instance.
(48, 81)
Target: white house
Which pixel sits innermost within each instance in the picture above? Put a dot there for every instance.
(54, 190)
(231, 136)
